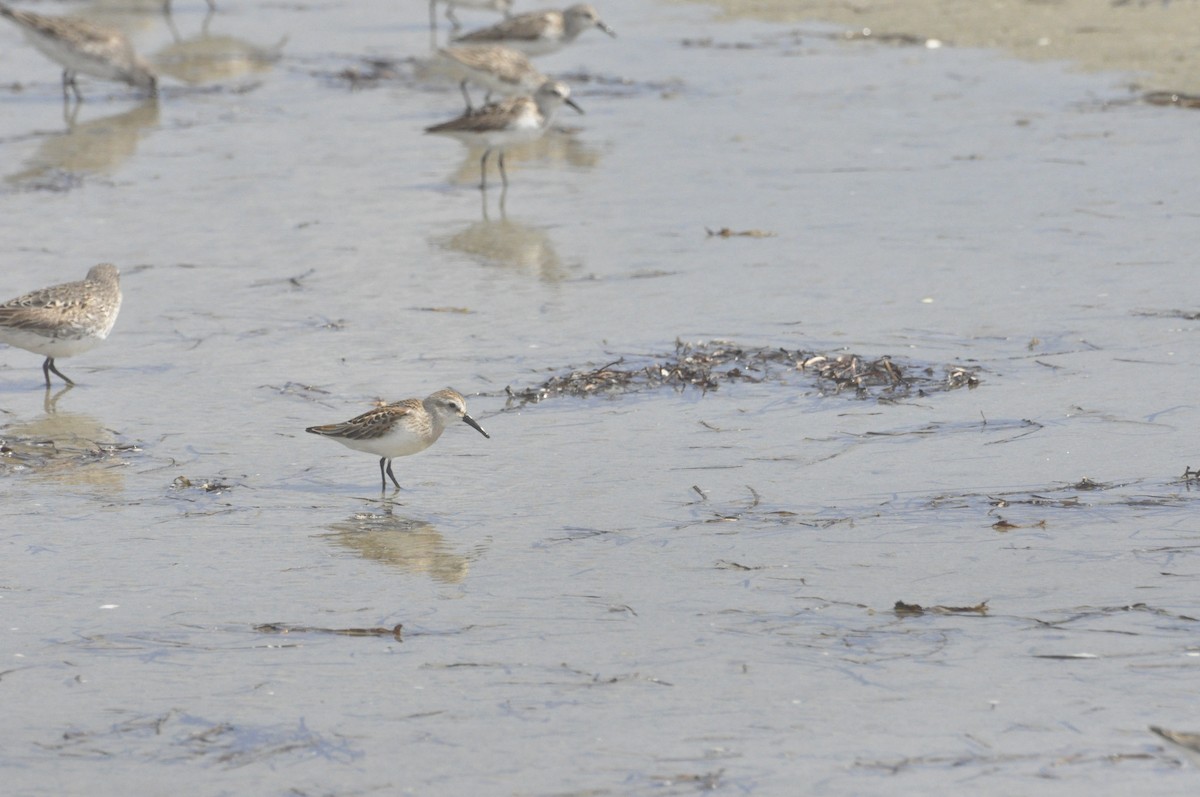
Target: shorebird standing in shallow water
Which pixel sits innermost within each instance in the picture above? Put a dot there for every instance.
(503, 6)
(509, 122)
(82, 47)
(63, 320)
(398, 430)
(495, 67)
(539, 32)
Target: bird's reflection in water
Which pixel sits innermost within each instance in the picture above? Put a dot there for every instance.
(213, 58)
(98, 146)
(557, 147)
(414, 546)
(508, 243)
(68, 447)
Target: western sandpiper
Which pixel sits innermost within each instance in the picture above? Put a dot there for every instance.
(493, 66)
(82, 47)
(63, 320)
(508, 122)
(398, 430)
(539, 32)
(503, 6)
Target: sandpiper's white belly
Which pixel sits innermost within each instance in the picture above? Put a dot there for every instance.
(399, 442)
(66, 344)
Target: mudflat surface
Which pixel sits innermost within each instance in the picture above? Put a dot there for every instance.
(649, 580)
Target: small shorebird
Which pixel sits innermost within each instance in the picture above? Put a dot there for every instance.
(503, 6)
(495, 67)
(1187, 743)
(508, 122)
(63, 320)
(539, 32)
(398, 430)
(82, 47)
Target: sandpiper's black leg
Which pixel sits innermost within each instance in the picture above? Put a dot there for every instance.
(466, 96)
(48, 366)
(483, 170)
(503, 174)
(392, 475)
(450, 16)
(69, 80)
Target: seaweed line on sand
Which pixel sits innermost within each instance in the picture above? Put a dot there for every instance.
(707, 365)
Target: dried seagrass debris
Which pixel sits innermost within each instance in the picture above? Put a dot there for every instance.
(369, 72)
(215, 485)
(903, 609)
(726, 232)
(284, 628)
(706, 365)
(1175, 98)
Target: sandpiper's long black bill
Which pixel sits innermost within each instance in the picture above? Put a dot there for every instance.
(469, 421)
(571, 102)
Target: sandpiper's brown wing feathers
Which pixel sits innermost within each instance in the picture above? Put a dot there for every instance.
(494, 116)
(47, 308)
(530, 26)
(87, 37)
(370, 425)
(63, 308)
(507, 65)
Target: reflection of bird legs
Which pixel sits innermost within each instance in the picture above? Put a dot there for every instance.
(484, 203)
(212, 6)
(212, 9)
(49, 402)
(483, 169)
(449, 15)
(70, 109)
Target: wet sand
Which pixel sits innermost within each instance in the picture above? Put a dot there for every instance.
(1152, 40)
(661, 590)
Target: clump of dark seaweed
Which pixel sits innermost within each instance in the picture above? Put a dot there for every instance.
(368, 72)
(20, 453)
(708, 365)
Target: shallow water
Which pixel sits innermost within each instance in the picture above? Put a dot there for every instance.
(664, 592)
